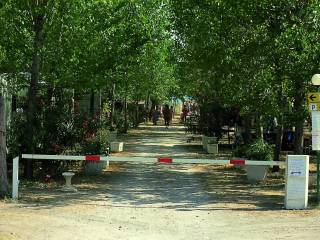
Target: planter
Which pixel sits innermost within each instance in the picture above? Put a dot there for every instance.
(212, 148)
(116, 146)
(256, 173)
(95, 167)
(206, 139)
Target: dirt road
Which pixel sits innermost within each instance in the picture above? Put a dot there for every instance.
(151, 201)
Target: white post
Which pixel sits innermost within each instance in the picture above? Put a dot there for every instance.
(15, 178)
(297, 176)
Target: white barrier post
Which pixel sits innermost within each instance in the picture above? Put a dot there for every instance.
(15, 177)
(297, 176)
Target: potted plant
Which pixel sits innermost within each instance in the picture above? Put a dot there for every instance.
(96, 145)
(212, 146)
(258, 150)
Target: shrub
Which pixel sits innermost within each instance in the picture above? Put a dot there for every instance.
(259, 150)
(103, 135)
(91, 145)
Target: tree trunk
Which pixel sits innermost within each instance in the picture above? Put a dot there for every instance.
(247, 132)
(278, 145)
(112, 104)
(125, 115)
(39, 20)
(136, 124)
(13, 104)
(259, 128)
(92, 103)
(298, 110)
(298, 140)
(147, 109)
(4, 189)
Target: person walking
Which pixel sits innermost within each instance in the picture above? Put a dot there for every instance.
(172, 113)
(184, 114)
(155, 115)
(166, 115)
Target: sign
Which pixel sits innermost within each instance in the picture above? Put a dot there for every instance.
(297, 168)
(315, 141)
(315, 121)
(315, 130)
(313, 97)
(314, 107)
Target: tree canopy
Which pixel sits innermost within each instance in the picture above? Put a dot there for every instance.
(254, 56)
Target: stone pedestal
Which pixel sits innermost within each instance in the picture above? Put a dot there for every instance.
(68, 187)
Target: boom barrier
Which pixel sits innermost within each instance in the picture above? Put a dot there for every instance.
(295, 171)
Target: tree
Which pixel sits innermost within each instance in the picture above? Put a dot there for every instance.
(258, 56)
(3, 161)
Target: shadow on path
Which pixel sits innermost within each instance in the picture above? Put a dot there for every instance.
(182, 187)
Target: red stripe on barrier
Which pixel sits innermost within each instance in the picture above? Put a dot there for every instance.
(238, 161)
(92, 158)
(165, 160)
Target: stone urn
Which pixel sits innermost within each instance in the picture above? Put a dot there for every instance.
(95, 167)
(256, 172)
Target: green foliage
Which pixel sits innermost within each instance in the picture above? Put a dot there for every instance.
(91, 145)
(15, 137)
(104, 138)
(259, 150)
(258, 56)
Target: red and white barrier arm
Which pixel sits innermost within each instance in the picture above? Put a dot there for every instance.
(167, 160)
(153, 160)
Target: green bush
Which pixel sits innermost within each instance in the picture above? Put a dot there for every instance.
(103, 135)
(259, 150)
(91, 145)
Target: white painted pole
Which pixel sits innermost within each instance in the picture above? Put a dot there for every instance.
(52, 157)
(15, 178)
(151, 159)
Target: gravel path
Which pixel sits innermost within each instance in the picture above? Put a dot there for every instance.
(151, 201)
